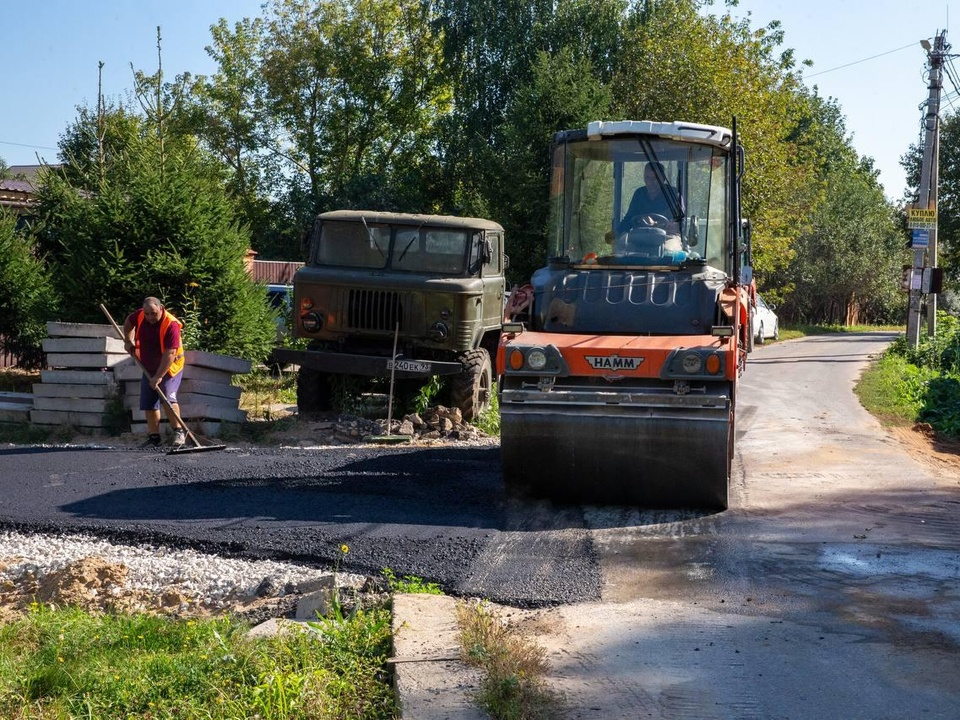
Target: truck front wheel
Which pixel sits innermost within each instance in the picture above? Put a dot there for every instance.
(313, 391)
(470, 389)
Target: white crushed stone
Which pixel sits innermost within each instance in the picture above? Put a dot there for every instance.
(206, 578)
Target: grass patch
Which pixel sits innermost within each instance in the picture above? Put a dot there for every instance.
(261, 389)
(892, 390)
(17, 380)
(409, 584)
(27, 434)
(513, 667)
(489, 420)
(60, 664)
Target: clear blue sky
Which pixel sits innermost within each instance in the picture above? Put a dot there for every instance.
(49, 50)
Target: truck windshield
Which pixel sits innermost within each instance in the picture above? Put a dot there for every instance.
(401, 248)
(639, 200)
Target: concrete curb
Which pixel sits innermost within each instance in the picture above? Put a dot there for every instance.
(432, 683)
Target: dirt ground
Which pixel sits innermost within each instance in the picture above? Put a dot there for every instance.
(923, 445)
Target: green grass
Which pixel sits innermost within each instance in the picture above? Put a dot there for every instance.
(410, 584)
(65, 664)
(489, 420)
(892, 390)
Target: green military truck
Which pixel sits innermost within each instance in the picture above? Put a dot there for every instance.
(418, 295)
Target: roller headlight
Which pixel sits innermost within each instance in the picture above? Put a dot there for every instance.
(536, 359)
(692, 362)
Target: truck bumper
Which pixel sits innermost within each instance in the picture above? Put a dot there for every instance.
(366, 365)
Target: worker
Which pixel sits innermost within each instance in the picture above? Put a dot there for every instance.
(152, 335)
(650, 199)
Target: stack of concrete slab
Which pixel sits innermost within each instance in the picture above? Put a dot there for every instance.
(79, 381)
(15, 407)
(207, 395)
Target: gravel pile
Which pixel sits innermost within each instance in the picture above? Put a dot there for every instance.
(96, 574)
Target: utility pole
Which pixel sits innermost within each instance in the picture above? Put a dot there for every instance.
(922, 218)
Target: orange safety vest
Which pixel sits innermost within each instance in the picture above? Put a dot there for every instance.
(168, 317)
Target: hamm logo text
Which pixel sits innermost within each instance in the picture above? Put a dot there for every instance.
(613, 362)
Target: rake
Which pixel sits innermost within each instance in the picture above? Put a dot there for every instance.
(197, 445)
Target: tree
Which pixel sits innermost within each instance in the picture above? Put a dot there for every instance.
(27, 296)
(152, 218)
(678, 63)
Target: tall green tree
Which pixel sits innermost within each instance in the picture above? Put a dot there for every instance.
(151, 218)
(27, 295)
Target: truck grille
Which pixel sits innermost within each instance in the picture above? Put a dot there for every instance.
(374, 310)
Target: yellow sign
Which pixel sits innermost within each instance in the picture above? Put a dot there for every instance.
(921, 218)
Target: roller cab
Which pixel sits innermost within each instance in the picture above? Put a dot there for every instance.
(618, 376)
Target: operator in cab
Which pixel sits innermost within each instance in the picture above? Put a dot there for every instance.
(650, 199)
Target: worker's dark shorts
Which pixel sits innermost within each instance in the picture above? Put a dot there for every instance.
(150, 399)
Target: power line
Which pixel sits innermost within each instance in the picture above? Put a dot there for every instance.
(857, 62)
(35, 147)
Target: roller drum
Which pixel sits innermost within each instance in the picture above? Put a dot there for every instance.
(650, 451)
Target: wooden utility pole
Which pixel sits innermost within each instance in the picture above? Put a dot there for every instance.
(922, 218)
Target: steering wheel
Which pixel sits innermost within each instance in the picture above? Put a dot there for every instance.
(650, 220)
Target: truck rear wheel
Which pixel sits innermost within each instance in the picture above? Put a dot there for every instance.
(470, 389)
(313, 391)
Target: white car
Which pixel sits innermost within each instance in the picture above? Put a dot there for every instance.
(765, 322)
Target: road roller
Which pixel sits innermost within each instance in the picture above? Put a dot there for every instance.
(618, 363)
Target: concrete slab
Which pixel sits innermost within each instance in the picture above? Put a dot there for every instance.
(234, 365)
(85, 360)
(432, 682)
(62, 329)
(57, 417)
(16, 397)
(67, 404)
(314, 604)
(127, 370)
(202, 412)
(189, 398)
(80, 377)
(201, 387)
(83, 345)
(195, 372)
(72, 390)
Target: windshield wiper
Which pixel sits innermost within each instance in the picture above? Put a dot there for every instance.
(668, 191)
(373, 240)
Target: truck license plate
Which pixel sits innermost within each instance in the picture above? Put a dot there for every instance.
(408, 366)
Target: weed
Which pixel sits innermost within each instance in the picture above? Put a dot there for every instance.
(425, 396)
(261, 390)
(489, 420)
(410, 584)
(513, 668)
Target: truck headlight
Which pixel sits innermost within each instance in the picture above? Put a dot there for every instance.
(439, 332)
(311, 322)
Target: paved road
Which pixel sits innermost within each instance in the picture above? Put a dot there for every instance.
(830, 589)
(438, 513)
